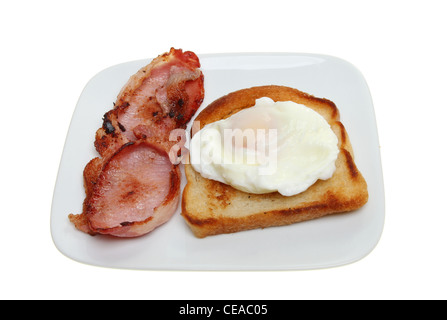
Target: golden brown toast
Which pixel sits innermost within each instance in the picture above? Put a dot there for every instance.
(210, 207)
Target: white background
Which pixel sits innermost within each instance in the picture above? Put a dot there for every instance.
(51, 49)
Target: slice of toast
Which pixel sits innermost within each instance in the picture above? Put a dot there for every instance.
(210, 207)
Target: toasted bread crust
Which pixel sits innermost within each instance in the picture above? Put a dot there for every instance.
(236, 101)
(210, 207)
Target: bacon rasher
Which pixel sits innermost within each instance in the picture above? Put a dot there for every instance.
(134, 186)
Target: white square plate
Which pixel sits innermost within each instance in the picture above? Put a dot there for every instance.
(326, 242)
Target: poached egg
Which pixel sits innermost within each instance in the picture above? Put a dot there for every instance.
(272, 146)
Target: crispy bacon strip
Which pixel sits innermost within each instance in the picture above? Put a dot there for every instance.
(133, 187)
(137, 189)
(159, 98)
